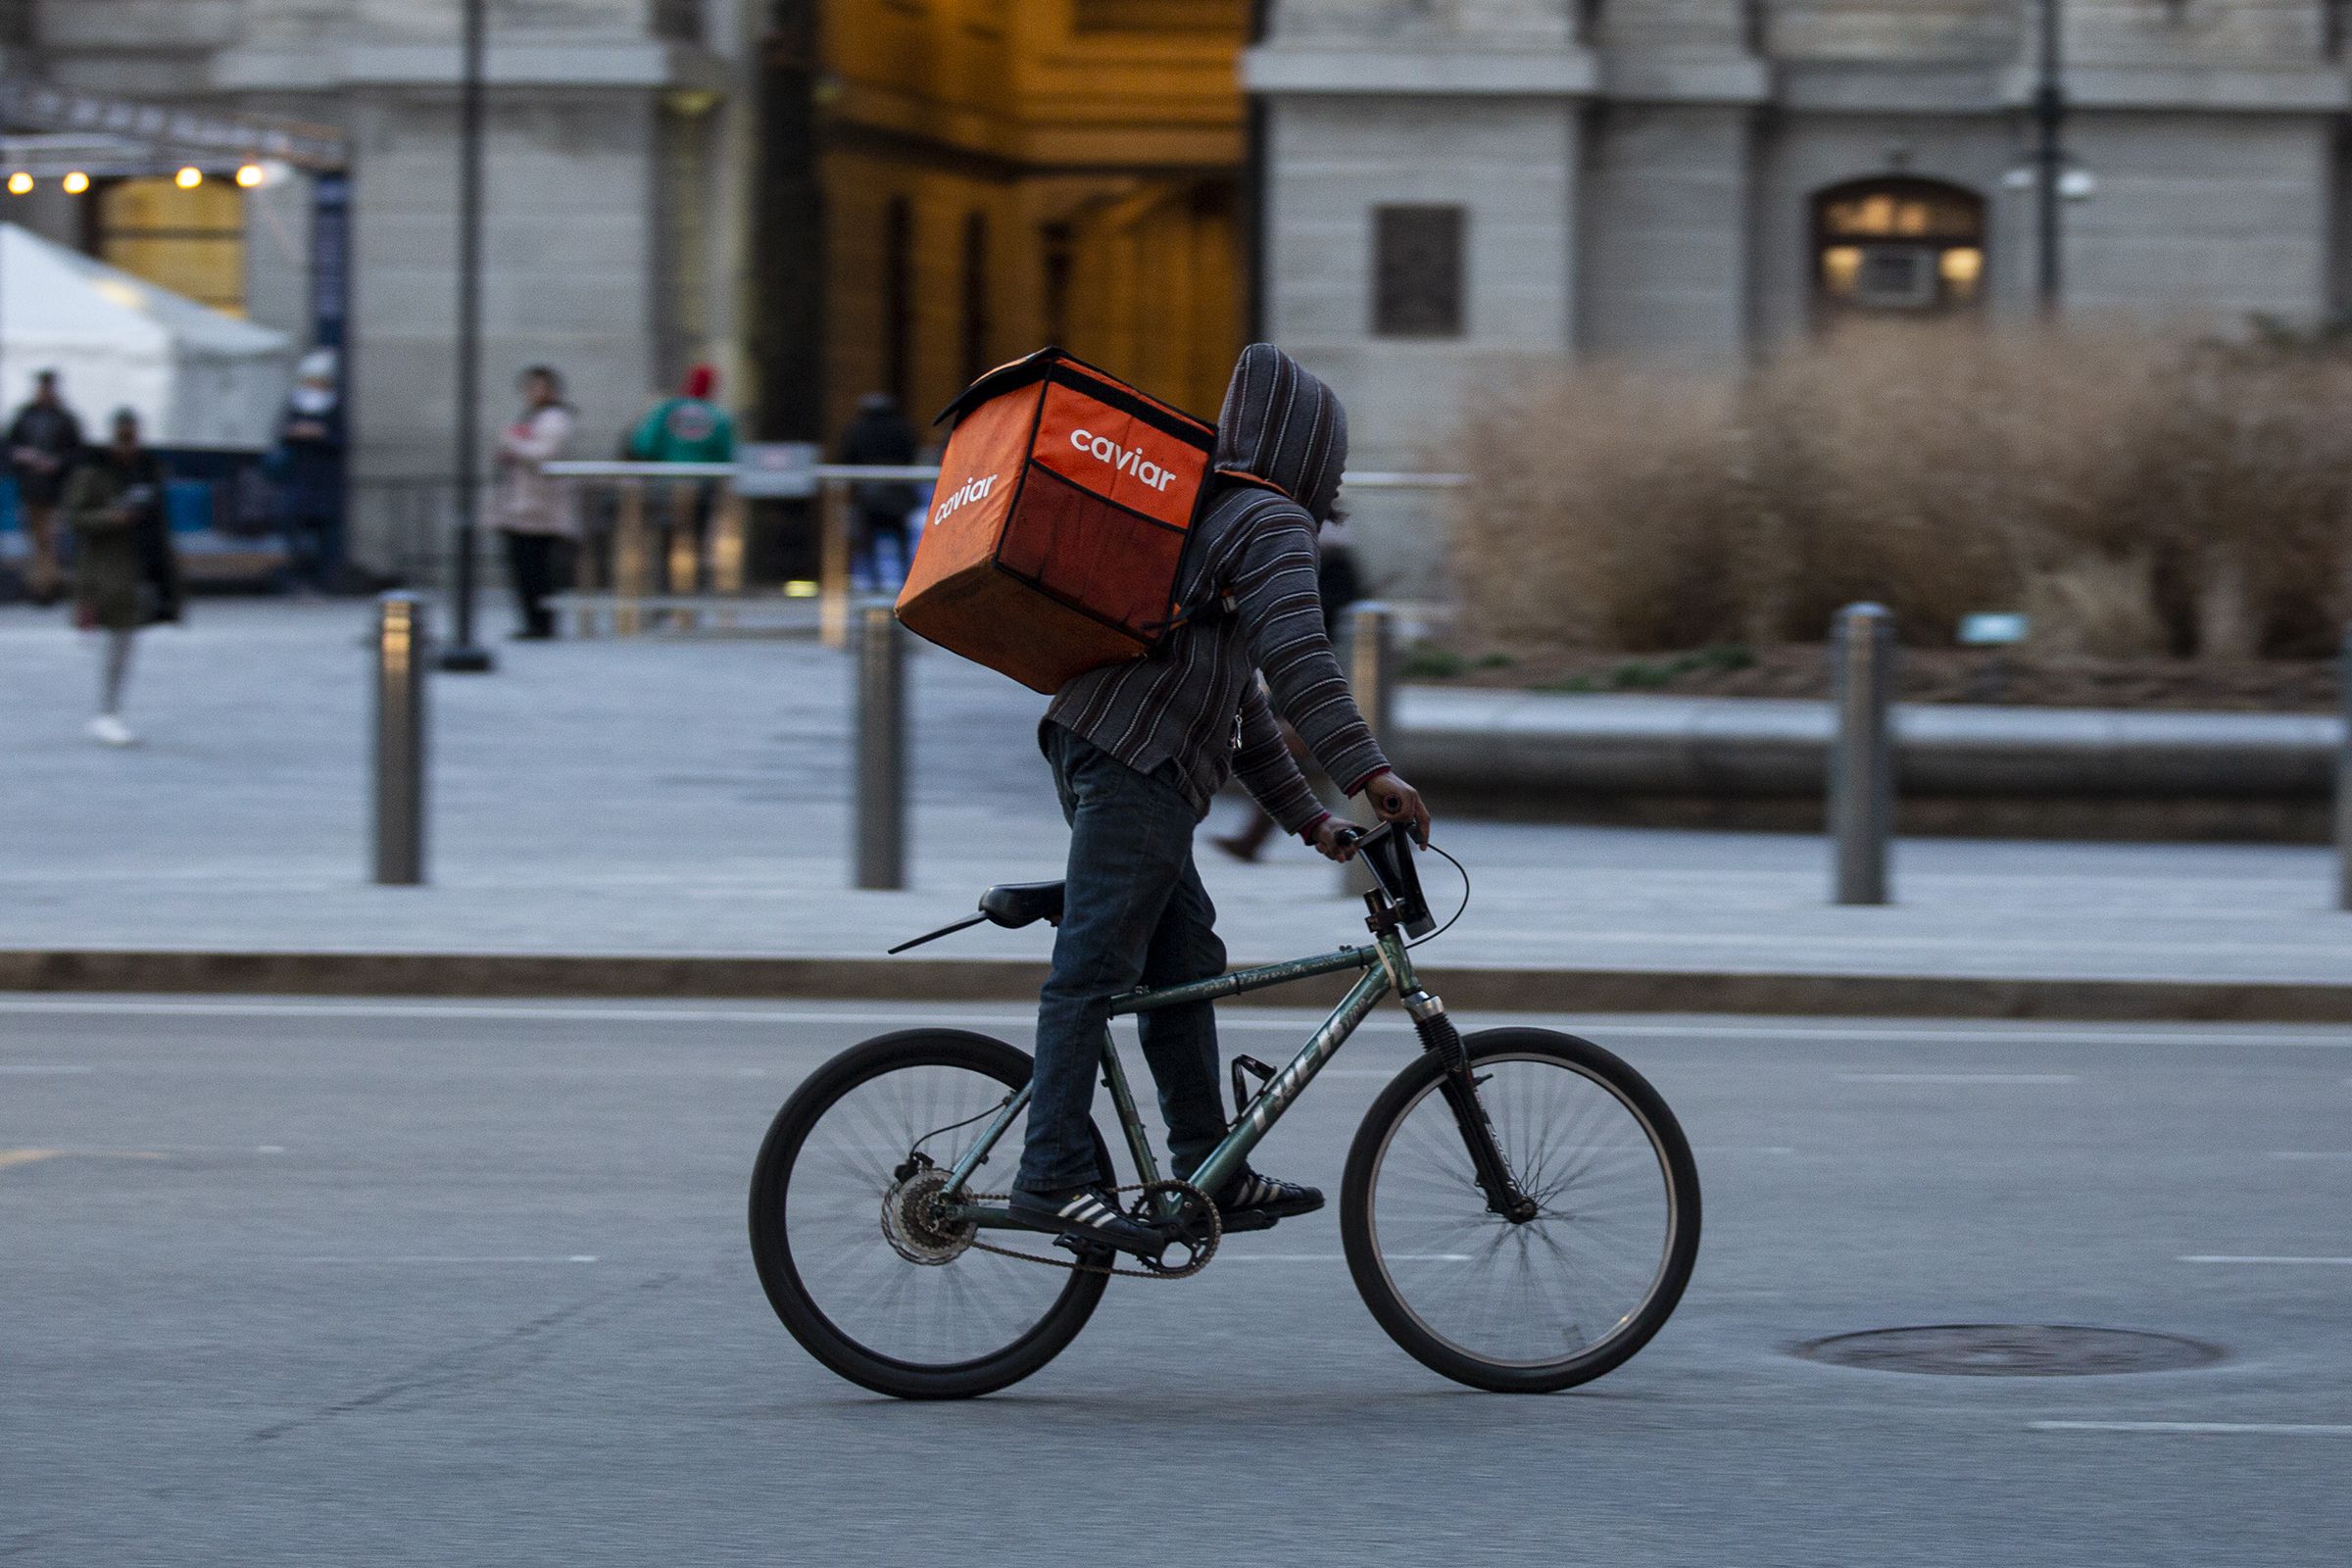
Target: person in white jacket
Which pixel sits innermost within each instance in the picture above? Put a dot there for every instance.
(535, 511)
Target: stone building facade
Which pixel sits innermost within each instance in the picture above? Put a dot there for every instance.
(1454, 184)
(616, 139)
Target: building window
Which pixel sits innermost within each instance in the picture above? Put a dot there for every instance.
(191, 242)
(1229, 17)
(1898, 246)
(975, 296)
(898, 297)
(1417, 272)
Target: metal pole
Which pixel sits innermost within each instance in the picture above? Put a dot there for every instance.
(2050, 157)
(400, 644)
(463, 654)
(879, 789)
(2343, 784)
(1862, 756)
(1372, 677)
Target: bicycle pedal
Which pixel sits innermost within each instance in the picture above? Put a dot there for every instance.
(1096, 1255)
(1247, 1219)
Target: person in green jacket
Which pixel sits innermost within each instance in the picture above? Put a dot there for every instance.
(125, 575)
(690, 427)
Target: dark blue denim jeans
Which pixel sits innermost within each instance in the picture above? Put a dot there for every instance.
(1134, 913)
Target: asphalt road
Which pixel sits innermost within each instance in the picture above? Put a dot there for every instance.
(324, 1283)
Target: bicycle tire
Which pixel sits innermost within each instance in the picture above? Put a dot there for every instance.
(837, 1347)
(1413, 1090)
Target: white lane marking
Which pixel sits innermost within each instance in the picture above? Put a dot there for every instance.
(31, 1067)
(1742, 1149)
(1958, 1078)
(1891, 1030)
(574, 1258)
(2310, 1153)
(1342, 1257)
(2290, 1429)
(2233, 1258)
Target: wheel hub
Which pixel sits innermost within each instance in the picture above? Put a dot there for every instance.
(913, 1224)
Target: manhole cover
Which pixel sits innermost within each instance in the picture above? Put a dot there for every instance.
(2011, 1351)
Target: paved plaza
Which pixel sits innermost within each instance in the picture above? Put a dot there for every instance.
(692, 797)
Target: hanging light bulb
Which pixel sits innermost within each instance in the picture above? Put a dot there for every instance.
(77, 182)
(20, 183)
(250, 174)
(189, 178)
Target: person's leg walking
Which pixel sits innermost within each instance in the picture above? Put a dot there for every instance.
(1181, 1042)
(40, 567)
(114, 672)
(1130, 845)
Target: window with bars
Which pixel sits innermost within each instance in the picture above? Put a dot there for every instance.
(1418, 271)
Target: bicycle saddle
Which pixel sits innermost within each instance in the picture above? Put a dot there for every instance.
(1010, 904)
(1019, 904)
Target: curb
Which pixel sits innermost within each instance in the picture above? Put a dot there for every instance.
(1482, 988)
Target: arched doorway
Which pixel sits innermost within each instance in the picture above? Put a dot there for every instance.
(1897, 245)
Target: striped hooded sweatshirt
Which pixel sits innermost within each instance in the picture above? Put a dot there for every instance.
(1249, 578)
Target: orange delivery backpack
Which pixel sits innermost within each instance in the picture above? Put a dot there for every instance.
(1054, 536)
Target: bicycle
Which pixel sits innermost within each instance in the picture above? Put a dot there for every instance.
(1520, 1210)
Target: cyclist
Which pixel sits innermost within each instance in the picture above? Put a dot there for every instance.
(1139, 749)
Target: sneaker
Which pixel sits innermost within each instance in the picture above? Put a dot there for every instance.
(1251, 1201)
(1086, 1214)
(108, 730)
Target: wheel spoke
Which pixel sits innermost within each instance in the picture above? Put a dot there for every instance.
(964, 1307)
(1559, 1287)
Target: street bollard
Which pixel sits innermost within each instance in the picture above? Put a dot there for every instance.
(2343, 784)
(879, 788)
(1372, 677)
(400, 662)
(1862, 755)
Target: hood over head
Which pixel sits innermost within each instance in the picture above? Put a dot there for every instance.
(1283, 425)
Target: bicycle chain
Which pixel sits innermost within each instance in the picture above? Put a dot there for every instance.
(1199, 1260)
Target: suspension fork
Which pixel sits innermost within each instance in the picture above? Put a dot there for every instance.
(1459, 1087)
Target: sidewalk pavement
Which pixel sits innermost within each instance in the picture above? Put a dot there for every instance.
(673, 816)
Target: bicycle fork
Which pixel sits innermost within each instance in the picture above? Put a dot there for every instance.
(1460, 1086)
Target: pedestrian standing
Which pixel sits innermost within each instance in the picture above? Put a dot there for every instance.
(535, 511)
(690, 427)
(43, 441)
(126, 574)
(879, 508)
(310, 442)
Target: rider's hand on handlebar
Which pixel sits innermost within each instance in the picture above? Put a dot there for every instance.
(1334, 839)
(1392, 800)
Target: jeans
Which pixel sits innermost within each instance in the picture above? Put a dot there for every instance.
(1134, 913)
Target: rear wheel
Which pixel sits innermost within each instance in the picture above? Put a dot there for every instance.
(859, 1270)
(1564, 1297)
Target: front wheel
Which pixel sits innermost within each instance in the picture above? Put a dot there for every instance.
(1555, 1300)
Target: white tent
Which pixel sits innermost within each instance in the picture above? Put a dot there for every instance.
(196, 377)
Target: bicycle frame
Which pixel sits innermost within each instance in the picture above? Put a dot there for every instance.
(1388, 969)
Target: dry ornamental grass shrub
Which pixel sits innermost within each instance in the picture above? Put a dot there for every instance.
(2133, 491)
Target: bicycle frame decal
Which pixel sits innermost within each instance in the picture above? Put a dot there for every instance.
(1267, 1109)
(1387, 967)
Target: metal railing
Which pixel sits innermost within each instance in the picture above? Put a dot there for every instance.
(636, 605)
